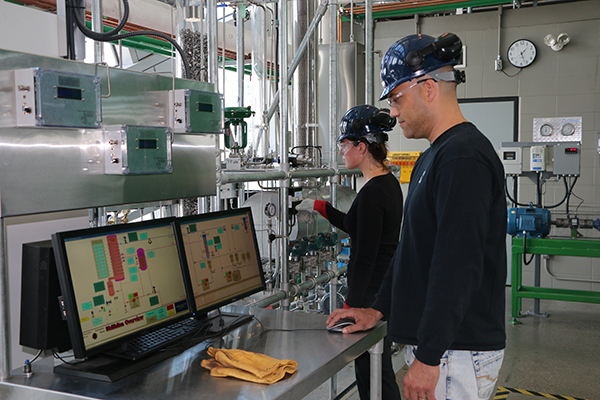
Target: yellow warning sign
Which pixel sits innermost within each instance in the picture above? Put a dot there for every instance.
(503, 392)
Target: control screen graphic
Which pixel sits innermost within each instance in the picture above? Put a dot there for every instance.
(222, 257)
(125, 280)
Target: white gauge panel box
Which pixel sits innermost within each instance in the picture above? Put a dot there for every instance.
(512, 159)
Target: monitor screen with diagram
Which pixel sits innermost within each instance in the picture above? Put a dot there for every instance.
(120, 281)
(222, 257)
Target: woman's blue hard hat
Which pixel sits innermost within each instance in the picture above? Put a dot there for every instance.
(368, 122)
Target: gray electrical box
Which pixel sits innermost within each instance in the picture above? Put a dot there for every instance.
(137, 150)
(196, 111)
(567, 158)
(42, 97)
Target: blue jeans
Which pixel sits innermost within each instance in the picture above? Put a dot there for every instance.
(464, 375)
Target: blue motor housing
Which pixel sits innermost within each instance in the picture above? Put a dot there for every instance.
(535, 222)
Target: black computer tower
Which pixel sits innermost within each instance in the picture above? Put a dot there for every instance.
(42, 326)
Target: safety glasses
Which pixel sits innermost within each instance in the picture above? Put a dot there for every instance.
(393, 100)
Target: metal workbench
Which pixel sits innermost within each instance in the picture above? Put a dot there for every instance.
(319, 353)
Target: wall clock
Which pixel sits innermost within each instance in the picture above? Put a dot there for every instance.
(522, 53)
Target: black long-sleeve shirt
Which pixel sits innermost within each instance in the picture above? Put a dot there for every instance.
(373, 223)
(445, 288)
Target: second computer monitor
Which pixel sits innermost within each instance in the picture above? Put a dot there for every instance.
(221, 253)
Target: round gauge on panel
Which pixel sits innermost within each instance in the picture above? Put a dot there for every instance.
(521, 53)
(270, 210)
(546, 130)
(568, 129)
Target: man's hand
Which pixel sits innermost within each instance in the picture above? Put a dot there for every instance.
(365, 318)
(420, 381)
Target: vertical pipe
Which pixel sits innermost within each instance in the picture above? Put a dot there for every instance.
(333, 128)
(241, 11)
(213, 56)
(213, 77)
(375, 358)
(283, 152)
(97, 27)
(369, 51)
(5, 353)
(352, 21)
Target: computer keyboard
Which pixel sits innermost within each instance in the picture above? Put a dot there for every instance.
(150, 342)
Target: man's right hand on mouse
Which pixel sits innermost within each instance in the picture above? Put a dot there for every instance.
(365, 318)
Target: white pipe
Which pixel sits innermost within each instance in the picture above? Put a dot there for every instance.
(97, 27)
(241, 10)
(301, 49)
(213, 54)
(283, 153)
(333, 126)
(369, 51)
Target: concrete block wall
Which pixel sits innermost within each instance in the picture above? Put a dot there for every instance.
(557, 84)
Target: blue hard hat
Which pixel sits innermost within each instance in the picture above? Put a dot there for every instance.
(417, 55)
(366, 121)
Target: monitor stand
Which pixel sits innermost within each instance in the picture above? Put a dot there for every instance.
(111, 369)
(230, 322)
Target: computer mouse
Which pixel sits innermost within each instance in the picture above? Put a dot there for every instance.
(341, 324)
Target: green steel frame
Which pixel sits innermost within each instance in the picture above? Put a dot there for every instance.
(555, 247)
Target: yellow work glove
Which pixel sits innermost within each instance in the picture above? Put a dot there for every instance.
(253, 367)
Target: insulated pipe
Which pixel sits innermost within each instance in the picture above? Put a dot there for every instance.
(301, 49)
(5, 353)
(232, 177)
(213, 77)
(97, 27)
(369, 51)
(284, 145)
(296, 289)
(213, 55)
(333, 124)
(241, 10)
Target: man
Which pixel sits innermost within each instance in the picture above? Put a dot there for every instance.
(443, 295)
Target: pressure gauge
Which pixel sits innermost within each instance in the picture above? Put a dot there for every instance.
(270, 210)
(568, 129)
(546, 130)
(522, 53)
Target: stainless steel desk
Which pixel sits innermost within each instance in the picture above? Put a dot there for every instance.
(319, 354)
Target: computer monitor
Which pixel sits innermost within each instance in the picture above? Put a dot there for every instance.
(119, 282)
(221, 253)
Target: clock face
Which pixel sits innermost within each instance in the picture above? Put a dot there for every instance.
(522, 53)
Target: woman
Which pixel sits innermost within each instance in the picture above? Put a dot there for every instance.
(373, 223)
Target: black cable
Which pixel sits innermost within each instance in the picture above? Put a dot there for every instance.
(57, 356)
(36, 357)
(512, 76)
(509, 196)
(109, 34)
(525, 251)
(566, 194)
(290, 330)
(102, 38)
(570, 192)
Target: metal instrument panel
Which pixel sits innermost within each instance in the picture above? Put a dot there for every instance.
(319, 354)
(57, 169)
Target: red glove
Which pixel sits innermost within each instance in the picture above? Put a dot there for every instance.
(321, 207)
